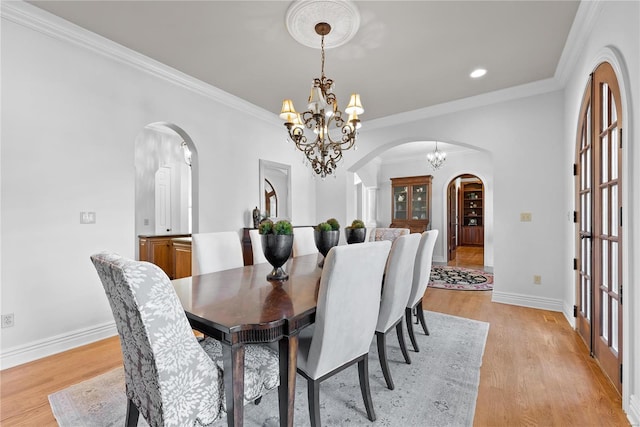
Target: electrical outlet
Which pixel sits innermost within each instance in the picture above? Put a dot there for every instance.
(7, 320)
(87, 217)
(525, 217)
(537, 280)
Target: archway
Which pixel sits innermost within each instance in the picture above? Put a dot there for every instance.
(465, 221)
(166, 181)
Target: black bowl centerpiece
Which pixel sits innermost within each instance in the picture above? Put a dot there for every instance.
(277, 241)
(356, 232)
(326, 235)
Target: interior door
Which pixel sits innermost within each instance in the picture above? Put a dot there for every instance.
(163, 200)
(599, 284)
(452, 221)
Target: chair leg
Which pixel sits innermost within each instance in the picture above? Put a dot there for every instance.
(313, 395)
(412, 337)
(131, 419)
(403, 345)
(257, 401)
(363, 374)
(421, 318)
(382, 355)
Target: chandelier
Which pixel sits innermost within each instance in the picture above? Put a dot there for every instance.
(437, 158)
(322, 132)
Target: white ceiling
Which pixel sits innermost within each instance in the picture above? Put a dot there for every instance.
(406, 55)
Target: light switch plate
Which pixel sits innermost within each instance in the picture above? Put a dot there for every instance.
(525, 217)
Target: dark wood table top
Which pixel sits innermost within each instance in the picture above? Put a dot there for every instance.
(241, 306)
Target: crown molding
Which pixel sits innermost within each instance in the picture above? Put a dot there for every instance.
(489, 98)
(46, 23)
(582, 26)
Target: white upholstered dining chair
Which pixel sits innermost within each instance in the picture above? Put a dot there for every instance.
(171, 378)
(303, 241)
(341, 335)
(421, 275)
(256, 247)
(398, 280)
(215, 252)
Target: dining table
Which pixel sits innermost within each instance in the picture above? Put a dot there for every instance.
(240, 306)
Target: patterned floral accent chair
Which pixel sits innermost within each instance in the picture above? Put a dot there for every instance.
(171, 378)
(390, 234)
(421, 275)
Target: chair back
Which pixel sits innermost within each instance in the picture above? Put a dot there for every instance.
(215, 252)
(422, 268)
(303, 241)
(256, 247)
(348, 304)
(398, 280)
(382, 233)
(164, 364)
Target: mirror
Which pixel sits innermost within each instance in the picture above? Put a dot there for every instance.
(275, 189)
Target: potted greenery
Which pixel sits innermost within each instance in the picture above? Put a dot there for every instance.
(326, 235)
(277, 241)
(356, 232)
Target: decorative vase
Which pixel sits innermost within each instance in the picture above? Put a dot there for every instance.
(325, 240)
(256, 217)
(277, 250)
(355, 235)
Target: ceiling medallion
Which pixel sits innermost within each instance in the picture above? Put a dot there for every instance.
(302, 17)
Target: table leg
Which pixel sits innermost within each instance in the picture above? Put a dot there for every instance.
(288, 356)
(233, 363)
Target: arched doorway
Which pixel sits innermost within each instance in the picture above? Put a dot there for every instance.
(465, 221)
(166, 181)
(599, 204)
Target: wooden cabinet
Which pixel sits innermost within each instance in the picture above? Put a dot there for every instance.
(159, 251)
(411, 202)
(181, 250)
(472, 203)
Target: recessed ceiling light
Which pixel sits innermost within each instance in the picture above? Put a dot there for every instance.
(478, 72)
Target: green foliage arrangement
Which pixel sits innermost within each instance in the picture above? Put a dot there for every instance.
(335, 225)
(281, 227)
(323, 226)
(265, 227)
(356, 224)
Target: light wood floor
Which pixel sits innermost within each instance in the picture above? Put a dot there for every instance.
(535, 372)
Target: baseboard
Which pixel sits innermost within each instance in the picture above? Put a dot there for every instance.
(568, 314)
(634, 410)
(530, 301)
(57, 344)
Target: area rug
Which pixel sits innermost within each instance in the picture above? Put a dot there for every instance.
(464, 279)
(439, 388)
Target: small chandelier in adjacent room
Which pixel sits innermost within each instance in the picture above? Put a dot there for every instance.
(328, 131)
(437, 158)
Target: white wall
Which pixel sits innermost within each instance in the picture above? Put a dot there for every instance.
(70, 119)
(615, 38)
(478, 163)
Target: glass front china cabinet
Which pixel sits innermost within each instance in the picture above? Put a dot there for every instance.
(411, 202)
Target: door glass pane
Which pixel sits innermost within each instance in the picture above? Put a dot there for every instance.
(614, 153)
(604, 177)
(605, 264)
(614, 210)
(419, 202)
(588, 209)
(605, 211)
(604, 303)
(605, 107)
(400, 202)
(589, 300)
(614, 324)
(584, 167)
(614, 267)
(589, 250)
(614, 112)
(588, 169)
